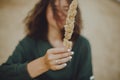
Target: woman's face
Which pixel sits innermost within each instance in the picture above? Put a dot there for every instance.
(62, 8)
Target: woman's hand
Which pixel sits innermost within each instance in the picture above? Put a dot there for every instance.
(56, 58)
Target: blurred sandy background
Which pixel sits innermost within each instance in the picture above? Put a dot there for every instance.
(101, 26)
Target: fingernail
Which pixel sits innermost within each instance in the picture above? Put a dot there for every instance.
(65, 64)
(70, 57)
(72, 52)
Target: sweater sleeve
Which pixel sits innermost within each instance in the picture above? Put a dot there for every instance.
(15, 68)
(85, 65)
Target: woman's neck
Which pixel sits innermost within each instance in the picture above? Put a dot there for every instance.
(54, 34)
(54, 37)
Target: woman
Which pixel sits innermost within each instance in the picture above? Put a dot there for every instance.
(41, 54)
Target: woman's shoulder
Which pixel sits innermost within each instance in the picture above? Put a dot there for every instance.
(27, 41)
(82, 41)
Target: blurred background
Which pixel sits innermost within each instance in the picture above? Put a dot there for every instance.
(101, 20)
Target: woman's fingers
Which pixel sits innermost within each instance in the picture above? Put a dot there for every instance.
(62, 55)
(61, 61)
(57, 53)
(56, 58)
(58, 67)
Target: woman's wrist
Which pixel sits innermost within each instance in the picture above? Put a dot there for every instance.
(37, 67)
(45, 65)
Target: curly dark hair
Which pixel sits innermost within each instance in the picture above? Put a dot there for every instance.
(37, 25)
